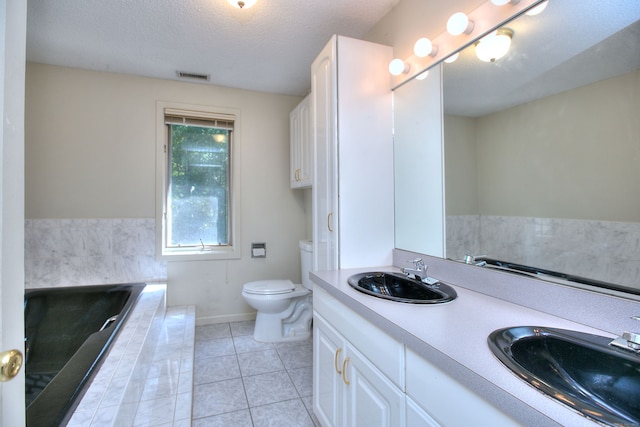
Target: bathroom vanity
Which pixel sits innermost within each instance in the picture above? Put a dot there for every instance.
(413, 364)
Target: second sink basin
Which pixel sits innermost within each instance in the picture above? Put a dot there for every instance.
(578, 369)
(396, 287)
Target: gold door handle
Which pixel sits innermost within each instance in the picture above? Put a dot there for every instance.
(344, 371)
(10, 364)
(335, 361)
(329, 221)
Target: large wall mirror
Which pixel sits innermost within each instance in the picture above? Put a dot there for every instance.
(542, 146)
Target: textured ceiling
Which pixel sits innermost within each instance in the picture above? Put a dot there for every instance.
(268, 47)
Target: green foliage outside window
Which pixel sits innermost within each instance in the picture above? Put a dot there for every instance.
(198, 197)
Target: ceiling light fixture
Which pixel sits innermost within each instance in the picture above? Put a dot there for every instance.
(494, 45)
(424, 47)
(459, 23)
(242, 4)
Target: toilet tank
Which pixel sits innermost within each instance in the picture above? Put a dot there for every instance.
(306, 253)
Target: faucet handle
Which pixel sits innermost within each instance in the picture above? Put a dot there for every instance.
(418, 264)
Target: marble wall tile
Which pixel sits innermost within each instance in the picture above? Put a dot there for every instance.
(602, 250)
(77, 252)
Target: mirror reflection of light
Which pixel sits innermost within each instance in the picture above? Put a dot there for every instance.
(452, 58)
(423, 75)
(538, 9)
(495, 45)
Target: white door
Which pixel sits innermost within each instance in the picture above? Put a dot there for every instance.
(13, 21)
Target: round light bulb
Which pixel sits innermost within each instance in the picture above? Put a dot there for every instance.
(500, 2)
(538, 9)
(452, 58)
(397, 67)
(424, 47)
(459, 23)
(423, 75)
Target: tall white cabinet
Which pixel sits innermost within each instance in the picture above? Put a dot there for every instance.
(351, 122)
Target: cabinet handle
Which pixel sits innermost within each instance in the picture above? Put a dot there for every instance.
(297, 174)
(329, 221)
(344, 371)
(335, 361)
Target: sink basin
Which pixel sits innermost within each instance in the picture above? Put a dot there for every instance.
(579, 370)
(397, 287)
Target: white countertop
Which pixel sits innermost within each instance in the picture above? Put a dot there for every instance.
(454, 336)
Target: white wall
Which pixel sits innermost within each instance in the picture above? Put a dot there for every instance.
(90, 153)
(576, 154)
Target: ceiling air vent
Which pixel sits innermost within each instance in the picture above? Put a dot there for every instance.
(195, 76)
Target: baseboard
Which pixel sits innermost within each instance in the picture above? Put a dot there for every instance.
(226, 318)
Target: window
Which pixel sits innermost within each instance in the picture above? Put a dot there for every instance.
(196, 153)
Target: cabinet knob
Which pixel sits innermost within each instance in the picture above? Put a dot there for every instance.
(335, 362)
(344, 371)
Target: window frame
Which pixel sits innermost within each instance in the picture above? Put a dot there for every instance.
(233, 249)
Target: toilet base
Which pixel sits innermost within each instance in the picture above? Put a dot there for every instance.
(295, 325)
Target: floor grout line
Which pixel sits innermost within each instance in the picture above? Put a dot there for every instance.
(280, 349)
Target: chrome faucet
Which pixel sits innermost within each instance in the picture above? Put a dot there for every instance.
(419, 270)
(628, 340)
(471, 259)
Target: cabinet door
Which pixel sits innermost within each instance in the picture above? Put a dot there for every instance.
(416, 416)
(325, 185)
(328, 357)
(372, 400)
(301, 146)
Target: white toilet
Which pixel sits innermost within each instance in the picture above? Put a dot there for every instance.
(284, 308)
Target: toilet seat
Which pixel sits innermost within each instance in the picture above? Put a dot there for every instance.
(269, 287)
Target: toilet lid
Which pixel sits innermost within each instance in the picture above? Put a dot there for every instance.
(269, 287)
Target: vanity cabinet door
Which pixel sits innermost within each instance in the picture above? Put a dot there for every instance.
(328, 356)
(372, 400)
(416, 416)
(301, 146)
(348, 390)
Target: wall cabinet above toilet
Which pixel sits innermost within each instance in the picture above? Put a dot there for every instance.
(301, 171)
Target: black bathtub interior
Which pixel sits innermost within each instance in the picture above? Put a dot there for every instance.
(67, 332)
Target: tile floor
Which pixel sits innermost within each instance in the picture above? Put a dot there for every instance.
(240, 382)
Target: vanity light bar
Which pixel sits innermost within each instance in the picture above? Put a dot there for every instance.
(486, 18)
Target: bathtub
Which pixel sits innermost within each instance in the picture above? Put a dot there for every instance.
(67, 333)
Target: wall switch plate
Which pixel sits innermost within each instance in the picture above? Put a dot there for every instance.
(258, 250)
